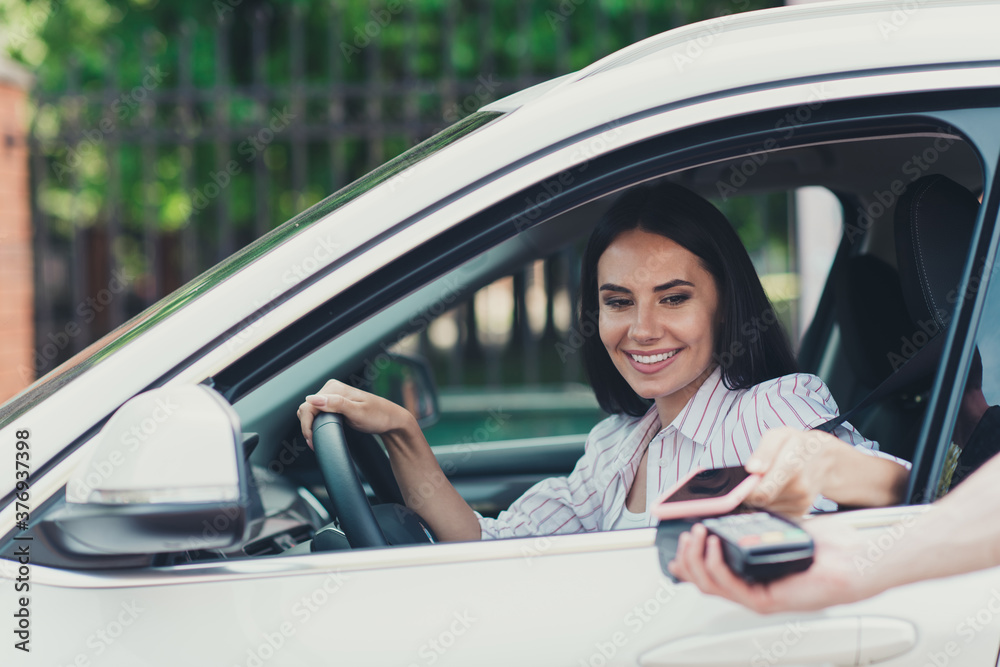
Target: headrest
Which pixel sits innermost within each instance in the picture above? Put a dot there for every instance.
(934, 221)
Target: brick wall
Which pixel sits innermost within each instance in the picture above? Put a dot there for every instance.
(16, 278)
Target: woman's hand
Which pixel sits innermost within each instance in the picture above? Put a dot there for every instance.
(794, 466)
(833, 577)
(423, 484)
(798, 466)
(362, 411)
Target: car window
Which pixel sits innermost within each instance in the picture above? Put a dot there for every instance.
(506, 360)
(976, 434)
(474, 363)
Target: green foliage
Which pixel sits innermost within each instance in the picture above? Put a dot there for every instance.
(140, 105)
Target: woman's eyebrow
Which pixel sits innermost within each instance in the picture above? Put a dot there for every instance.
(673, 283)
(611, 287)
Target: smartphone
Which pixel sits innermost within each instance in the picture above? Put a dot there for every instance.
(706, 492)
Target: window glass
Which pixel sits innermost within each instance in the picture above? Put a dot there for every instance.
(507, 361)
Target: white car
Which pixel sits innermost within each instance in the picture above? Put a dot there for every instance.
(153, 540)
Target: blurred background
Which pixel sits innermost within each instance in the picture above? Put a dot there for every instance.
(142, 141)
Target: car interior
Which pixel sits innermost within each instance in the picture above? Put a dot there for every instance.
(862, 320)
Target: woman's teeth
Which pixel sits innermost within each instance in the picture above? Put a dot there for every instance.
(653, 358)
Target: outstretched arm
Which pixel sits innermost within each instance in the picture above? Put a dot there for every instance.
(799, 465)
(841, 571)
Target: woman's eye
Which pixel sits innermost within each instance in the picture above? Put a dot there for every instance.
(616, 303)
(675, 299)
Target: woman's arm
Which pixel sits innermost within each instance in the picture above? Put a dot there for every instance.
(423, 484)
(807, 469)
(799, 465)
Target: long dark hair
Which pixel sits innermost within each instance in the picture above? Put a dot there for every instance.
(751, 345)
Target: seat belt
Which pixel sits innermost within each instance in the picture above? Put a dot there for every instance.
(920, 365)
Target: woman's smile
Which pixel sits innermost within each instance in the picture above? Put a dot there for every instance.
(651, 361)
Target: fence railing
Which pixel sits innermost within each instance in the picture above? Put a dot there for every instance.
(149, 172)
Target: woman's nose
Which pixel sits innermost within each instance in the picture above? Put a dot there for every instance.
(645, 327)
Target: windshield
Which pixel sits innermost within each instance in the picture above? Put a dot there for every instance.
(162, 309)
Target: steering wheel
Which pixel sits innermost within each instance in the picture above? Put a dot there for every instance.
(342, 483)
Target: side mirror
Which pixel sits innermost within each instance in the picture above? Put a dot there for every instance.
(168, 474)
(407, 381)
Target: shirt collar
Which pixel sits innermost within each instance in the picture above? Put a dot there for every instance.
(704, 412)
(697, 421)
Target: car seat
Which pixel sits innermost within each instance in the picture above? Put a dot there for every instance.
(933, 226)
(873, 320)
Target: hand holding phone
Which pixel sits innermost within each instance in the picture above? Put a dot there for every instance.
(706, 492)
(757, 546)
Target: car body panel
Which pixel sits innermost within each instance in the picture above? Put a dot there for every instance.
(444, 604)
(590, 599)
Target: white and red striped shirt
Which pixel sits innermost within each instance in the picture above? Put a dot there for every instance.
(718, 427)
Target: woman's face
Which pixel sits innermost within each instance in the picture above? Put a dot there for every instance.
(658, 313)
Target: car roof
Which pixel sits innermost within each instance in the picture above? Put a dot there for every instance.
(779, 44)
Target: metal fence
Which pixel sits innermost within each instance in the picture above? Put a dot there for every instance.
(148, 174)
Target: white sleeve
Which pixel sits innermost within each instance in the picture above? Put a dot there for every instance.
(560, 505)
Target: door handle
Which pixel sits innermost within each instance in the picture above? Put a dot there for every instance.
(850, 641)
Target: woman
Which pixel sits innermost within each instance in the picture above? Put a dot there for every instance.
(690, 362)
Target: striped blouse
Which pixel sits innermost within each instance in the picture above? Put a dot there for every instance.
(718, 427)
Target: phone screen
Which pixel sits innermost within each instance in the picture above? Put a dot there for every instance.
(709, 484)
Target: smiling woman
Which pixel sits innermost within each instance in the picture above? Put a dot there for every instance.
(686, 384)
